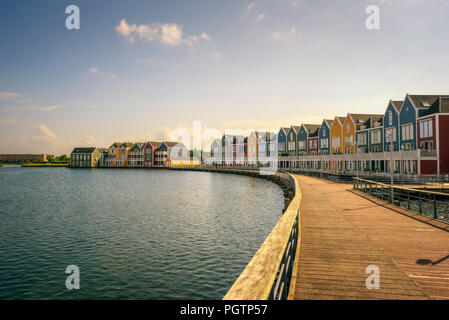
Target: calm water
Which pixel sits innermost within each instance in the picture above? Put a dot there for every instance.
(134, 234)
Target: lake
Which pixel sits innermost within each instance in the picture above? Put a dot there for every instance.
(133, 233)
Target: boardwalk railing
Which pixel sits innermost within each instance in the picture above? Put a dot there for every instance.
(428, 203)
(269, 273)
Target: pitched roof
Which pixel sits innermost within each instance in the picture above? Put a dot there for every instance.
(424, 101)
(84, 150)
(155, 144)
(295, 128)
(441, 105)
(312, 128)
(397, 105)
(328, 122)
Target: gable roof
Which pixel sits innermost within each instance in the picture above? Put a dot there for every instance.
(397, 105)
(441, 105)
(423, 101)
(328, 122)
(311, 128)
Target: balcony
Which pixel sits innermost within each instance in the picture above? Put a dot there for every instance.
(425, 153)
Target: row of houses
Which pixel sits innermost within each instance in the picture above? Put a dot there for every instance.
(410, 137)
(134, 155)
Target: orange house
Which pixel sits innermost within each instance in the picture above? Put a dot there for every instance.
(352, 123)
(336, 140)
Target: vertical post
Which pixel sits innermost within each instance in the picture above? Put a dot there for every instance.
(434, 207)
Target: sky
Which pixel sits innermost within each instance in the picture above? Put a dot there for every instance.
(138, 70)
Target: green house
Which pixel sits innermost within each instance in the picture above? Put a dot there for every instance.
(292, 141)
(85, 157)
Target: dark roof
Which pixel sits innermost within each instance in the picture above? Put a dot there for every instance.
(424, 101)
(103, 149)
(441, 105)
(295, 128)
(84, 150)
(122, 145)
(397, 105)
(312, 128)
(328, 122)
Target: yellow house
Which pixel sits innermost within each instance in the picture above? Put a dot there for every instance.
(336, 140)
(118, 154)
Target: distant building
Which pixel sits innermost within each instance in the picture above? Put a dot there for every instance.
(104, 156)
(85, 157)
(23, 157)
(149, 153)
(164, 155)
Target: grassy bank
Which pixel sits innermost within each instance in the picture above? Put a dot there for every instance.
(45, 164)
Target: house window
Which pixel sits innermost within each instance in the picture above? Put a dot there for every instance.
(407, 132)
(426, 129)
(390, 118)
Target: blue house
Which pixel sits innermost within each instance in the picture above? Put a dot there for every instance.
(324, 134)
(391, 125)
(414, 107)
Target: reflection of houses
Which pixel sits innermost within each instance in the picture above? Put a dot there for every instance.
(85, 158)
(118, 154)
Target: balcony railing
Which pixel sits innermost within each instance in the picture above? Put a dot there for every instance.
(428, 153)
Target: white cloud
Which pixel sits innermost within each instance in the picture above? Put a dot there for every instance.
(285, 36)
(45, 134)
(169, 34)
(8, 95)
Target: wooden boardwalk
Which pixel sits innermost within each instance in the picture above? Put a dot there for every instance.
(343, 233)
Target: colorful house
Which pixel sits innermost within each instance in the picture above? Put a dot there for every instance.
(433, 130)
(292, 141)
(118, 154)
(305, 130)
(149, 151)
(136, 155)
(104, 156)
(85, 157)
(369, 141)
(253, 142)
(170, 153)
(324, 134)
(336, 140)
(414, 106)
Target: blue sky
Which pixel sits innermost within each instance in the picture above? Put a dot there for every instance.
(139, 69)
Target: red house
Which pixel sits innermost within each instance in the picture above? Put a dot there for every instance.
(433, 132)
(149, 150)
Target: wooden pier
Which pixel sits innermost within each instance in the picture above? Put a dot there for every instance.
(343, 233)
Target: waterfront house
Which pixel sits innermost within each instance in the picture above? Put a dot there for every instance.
(304, 132)
(253, 142)
(85, 157)
(23, 157)
(414, 106)
(292, 141)
(324, 133)
(104, 156)
(170, 153)
(336, 139)
(136, 155)
(238, 150)
(433, 131)
(369, 141)
(282, 146)
(216, 152)
(149, 150)
(118, 154)
(352, 123)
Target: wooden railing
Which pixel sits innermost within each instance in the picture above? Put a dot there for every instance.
(269, 273)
